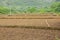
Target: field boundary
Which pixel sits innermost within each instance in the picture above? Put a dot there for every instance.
(28, 17)
(31, 27)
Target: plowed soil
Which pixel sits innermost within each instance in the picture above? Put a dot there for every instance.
(25, 27)
(28, 34)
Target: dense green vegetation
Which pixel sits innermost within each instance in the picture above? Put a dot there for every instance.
(44, 7)
(56, 7)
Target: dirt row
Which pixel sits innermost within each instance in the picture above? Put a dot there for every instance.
(28, 34)
(31, 22)
(28, 17)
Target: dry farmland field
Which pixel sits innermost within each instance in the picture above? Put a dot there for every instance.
(29, 27)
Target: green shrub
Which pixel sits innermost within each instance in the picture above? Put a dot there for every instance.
(4, 10)
(56, 7)
(31, 9)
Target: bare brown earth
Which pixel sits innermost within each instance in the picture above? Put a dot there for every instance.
(29, 17)
(28, 34)
(30, 20)
(29, 27)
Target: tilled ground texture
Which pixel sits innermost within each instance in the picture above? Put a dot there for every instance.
(30, 28)
(38, 23)
(28, 34)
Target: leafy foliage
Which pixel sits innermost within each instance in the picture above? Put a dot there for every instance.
(31, 9)
(4, 10)
(29, 6)
(56, 7)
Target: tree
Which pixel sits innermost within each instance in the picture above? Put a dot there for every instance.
(31, 9)
(56, 7)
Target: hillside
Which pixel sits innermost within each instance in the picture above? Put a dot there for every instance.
(26, 3)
